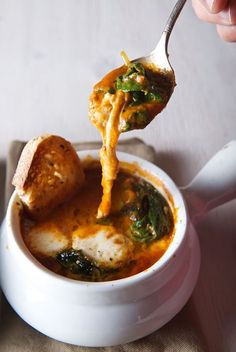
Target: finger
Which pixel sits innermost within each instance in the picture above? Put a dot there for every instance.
(225, 17)
(227, 33)
(214, 6)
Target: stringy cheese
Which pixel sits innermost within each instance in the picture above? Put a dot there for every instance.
(108, 124)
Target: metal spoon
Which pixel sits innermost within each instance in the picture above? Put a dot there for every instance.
(164, 74)
(159, 56)
(137, 108)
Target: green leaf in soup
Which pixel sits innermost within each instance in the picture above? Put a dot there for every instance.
(137, 98)
(136, 68)
(154, 219)
(139, 118)
(136, 120)
(131, 80)
(128, 85)
(130, 209)
(76, 262)
(160, 220)
(153, 97)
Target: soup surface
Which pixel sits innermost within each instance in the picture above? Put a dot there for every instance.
(74, 243)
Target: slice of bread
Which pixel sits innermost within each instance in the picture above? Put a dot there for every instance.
(48, 173)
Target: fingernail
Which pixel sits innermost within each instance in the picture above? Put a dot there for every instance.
(225, 15)
(209, 4)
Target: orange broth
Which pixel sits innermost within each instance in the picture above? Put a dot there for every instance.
(82, 211)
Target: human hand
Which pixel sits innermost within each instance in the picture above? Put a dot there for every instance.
(220, 12)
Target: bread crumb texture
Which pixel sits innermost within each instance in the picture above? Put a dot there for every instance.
(48, 173)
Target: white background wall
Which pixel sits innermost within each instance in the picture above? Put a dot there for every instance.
(53, 51)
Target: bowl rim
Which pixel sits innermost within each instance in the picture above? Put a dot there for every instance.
(181, 229)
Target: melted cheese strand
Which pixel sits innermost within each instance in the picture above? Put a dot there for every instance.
(125, 58)
(109, 161)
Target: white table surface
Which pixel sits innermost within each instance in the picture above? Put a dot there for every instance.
(51, 54)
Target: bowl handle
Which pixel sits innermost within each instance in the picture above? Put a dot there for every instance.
(214, 185)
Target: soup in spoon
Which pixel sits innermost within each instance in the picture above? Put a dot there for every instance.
(127, 98)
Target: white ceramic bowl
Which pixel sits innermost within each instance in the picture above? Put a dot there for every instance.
(114, 312)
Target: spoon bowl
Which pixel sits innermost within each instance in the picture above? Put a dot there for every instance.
(130, 96)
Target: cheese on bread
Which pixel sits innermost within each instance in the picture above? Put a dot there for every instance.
(48, 173)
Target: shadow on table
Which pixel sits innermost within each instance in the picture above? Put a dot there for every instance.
(215, 291)
(213, 300)
(175, 164)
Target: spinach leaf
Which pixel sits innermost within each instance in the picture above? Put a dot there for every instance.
(141, 97)
(159, 214)
(153, 96)
(142, 86)
(133, 80)
(76, 262)
(137, 120)
(136, 68)
(128, 85)
(153, 217)
(137, 98)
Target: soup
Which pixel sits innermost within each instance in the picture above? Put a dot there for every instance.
(125, 99)
(74, 243)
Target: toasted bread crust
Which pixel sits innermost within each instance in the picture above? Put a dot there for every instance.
(48, 173)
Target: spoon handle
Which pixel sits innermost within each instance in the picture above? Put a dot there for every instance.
(170, 24)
